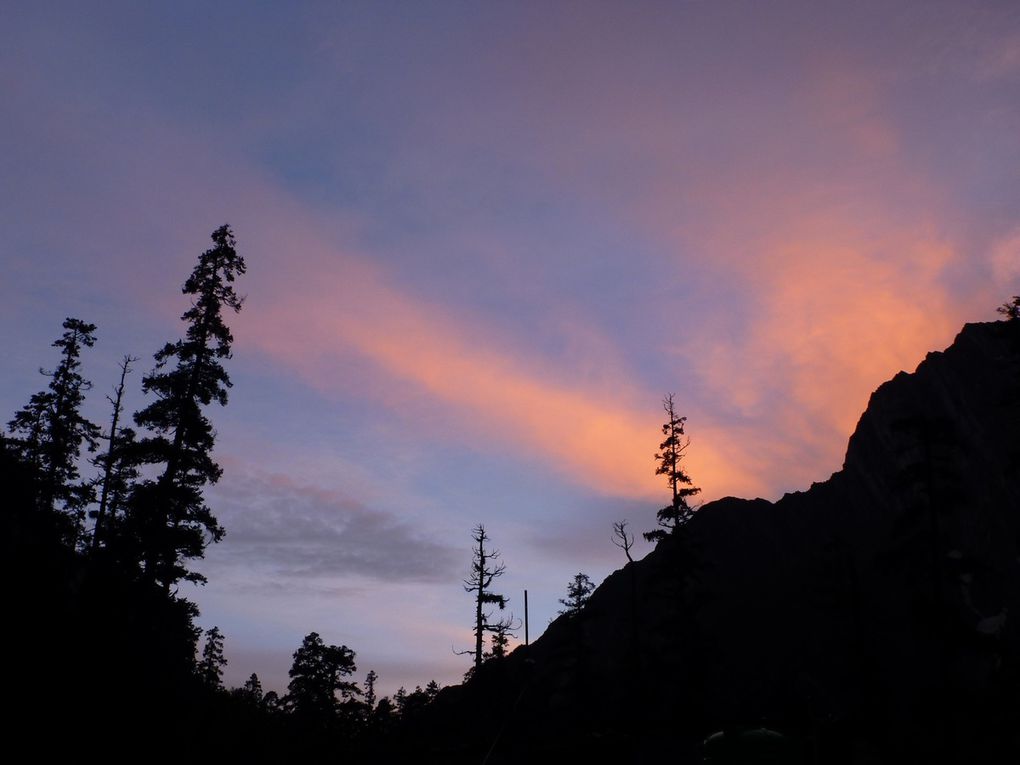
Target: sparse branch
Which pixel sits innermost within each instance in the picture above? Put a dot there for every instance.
(109, 462)
(623, 539)
(502, 631)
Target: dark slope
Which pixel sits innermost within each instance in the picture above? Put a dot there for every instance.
(872, 618)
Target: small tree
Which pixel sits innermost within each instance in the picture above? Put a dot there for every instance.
(210, 668)
(432, 690)
(317, 678)
(579, 589)
(51, 431)
(623, 539)
(252, 689)
(1011, 310)
(484, 570)
(671, 451)
(370, 681)
(499, 642)
(384, 714)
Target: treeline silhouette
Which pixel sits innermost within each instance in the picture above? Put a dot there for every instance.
(107, 649)
(104, 650)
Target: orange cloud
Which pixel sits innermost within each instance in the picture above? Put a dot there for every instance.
(583, 420)
(835, 310)
(831, 247)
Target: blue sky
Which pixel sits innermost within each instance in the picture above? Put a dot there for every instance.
(483, 241)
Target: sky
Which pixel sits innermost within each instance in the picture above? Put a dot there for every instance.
(483, 241)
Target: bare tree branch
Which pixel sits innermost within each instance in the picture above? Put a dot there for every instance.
(622, 539)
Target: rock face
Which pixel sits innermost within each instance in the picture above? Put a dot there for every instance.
(874, 617)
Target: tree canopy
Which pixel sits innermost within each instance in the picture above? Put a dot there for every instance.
(316, 679)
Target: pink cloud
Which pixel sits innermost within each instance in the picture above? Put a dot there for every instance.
(595, 427)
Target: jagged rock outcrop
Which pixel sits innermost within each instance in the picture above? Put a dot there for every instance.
(874, 617)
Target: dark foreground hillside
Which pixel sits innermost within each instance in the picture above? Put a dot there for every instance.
(873, 618)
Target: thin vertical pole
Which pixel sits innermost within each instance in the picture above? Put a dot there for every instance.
(525, 617)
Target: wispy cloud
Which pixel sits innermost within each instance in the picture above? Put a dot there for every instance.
(298, 531)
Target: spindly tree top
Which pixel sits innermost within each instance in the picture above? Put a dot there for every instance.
(671, 452)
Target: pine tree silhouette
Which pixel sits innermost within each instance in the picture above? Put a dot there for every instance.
(51, 431)
(169, 516)
(579, 589)
(671, 451)
(210, 668)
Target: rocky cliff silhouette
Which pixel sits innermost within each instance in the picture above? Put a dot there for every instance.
(872, 618)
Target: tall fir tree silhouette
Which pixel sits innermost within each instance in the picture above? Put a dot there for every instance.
(671, 452)
(169, 518)
(51, 431)
(485, 568)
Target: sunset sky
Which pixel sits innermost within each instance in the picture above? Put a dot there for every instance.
(483, 240)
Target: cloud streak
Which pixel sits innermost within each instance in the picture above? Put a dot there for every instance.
(596, 426)
(302, 532)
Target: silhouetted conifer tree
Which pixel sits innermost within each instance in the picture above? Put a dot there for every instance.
(384, 714)
(432, 690)
(679, 511)
(484, 569)
(400, 700)
(169, 516)
(317, 678)
(210, 668)
(253, 689)
(370, 680)
(579, 589)
(51, 431)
